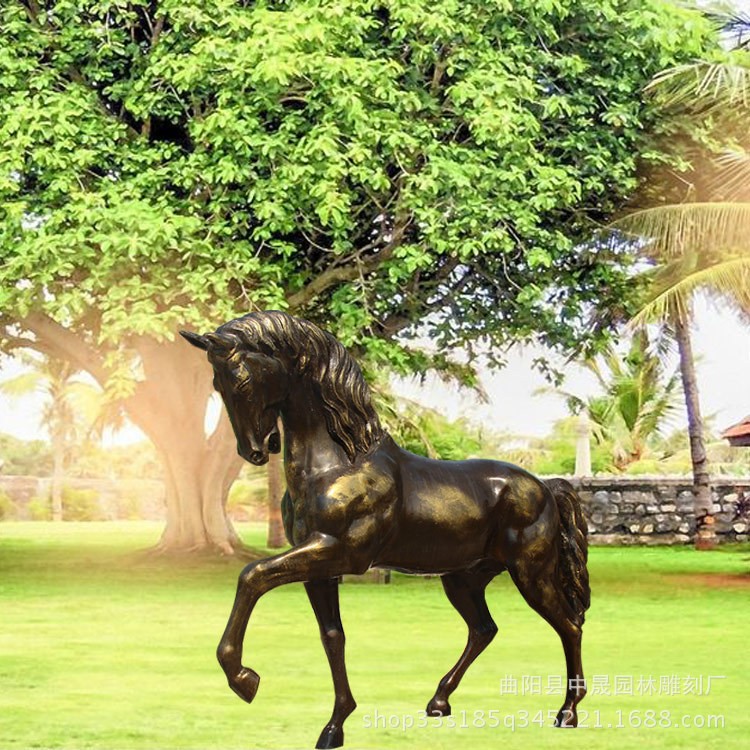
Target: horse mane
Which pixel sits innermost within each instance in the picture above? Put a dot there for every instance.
(308, 351)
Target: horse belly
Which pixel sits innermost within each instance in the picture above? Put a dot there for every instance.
(436, 532)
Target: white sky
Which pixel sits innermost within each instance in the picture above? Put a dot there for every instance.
(722, 349)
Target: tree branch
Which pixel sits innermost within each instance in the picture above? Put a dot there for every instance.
(399, 320)
(32, 9)
(156, 30)
(438, 72)
(55, 339)
(341, 274)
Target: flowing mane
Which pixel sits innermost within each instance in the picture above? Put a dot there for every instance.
(308, 351)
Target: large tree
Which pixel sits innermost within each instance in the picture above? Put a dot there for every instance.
(369, 165)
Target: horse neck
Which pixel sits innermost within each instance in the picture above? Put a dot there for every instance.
(307, 444)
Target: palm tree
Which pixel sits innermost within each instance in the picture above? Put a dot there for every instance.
(635, 400)
(70, 406)
(702, 243)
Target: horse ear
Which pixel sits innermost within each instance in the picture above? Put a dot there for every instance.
(220, 342)
(195, 339)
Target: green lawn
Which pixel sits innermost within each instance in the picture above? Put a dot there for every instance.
(101, 650)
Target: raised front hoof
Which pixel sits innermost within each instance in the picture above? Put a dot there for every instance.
(330, 737)
(245, 684)
(438, 707)
(567, 718)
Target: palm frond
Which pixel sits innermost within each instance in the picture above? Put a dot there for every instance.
(703, 86)
(727, 277)
(732, 23)
(673, 230)
(733, 178)
(22, 385)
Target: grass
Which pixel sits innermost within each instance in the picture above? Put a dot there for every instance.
(99, 649)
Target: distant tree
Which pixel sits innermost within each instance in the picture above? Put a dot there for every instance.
(555, 453)
(635, 400)
(426, 432)
(67, 402)
(374, 167)
(133, 461)
(25, 457)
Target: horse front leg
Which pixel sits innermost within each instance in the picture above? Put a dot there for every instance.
(324, 598)
(321, 556)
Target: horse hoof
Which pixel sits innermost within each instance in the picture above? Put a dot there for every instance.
(438, 707)
(245, 684)
(330, 737)
(566, 718)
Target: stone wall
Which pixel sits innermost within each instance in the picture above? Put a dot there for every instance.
(657, 510)
(116, 498)
(619, 510)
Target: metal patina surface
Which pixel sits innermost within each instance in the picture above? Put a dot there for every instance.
(357, 500)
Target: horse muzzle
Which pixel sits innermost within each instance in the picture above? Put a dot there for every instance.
(258, 458)
(258, 454)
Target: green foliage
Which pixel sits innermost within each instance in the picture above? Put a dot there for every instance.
(40, 509)
(556, 453)
(25, 457)
(362, 163)
(446, 440)
(696, 230)
(426, 432)
(664, 455)
(72, 408)
(7, 506)
(134, 461)
(247, 493)
(80, 505)
(636, 398)
(673, 452)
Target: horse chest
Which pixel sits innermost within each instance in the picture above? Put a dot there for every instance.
(354, 504)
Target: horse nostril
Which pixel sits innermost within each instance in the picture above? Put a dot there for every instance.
(256, 456)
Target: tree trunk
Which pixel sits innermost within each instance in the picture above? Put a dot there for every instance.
(196, 495)
(58, 472)
(170, 407)
(168, 404)
(705, 536)
(276, 536)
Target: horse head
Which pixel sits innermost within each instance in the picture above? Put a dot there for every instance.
(252, 386)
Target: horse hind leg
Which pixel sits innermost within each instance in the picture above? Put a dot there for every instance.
(465, 592)
(541, 590)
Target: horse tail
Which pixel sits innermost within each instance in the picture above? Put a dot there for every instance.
(573, 575)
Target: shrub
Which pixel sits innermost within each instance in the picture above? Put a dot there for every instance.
(648, 466)
(40, 508)
(81, 505)
(129, 507)
(246, 496)
(7, 507)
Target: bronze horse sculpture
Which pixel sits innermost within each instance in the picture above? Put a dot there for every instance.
(356, 500)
